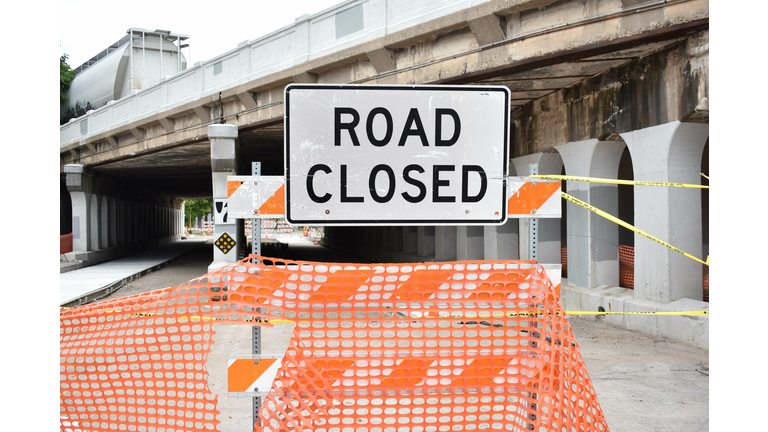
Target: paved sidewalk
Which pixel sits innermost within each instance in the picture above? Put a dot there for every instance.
(89, 283)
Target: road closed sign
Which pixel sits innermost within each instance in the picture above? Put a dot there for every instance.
(396, 155)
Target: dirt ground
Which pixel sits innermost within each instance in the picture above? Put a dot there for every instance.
(643, 384)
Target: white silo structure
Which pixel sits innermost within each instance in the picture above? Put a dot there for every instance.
(138, 60)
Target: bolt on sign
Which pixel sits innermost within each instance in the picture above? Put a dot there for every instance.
(396, 155)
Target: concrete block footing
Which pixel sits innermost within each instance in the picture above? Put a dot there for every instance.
(693, 329)
(89, 258)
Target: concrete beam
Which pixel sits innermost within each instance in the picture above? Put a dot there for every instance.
(305, 77)
(247, 99)
(382, 59)
(138, 133)
(112, 141)
(166, 123)
(91, 146)
(487, 29)
(202, 112)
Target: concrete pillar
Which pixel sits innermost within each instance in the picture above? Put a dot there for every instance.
(95, 212)
(549, 229)
(105, 222)
(426, 241)
(224, 158)
(469, 242)
(668, 153)
(81, 221)
(114, 220)
(445, 243)
(593, 241)
(410, 239)
(501, 241)
(397, 239)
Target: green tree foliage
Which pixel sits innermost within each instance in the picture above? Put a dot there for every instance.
(67, 75)
(197, 208)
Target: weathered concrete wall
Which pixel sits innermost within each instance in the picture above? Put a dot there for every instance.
(660, 88)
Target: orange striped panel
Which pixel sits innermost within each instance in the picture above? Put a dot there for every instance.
(232, 186)
(531, 197)
(243, 373)
(275, 204)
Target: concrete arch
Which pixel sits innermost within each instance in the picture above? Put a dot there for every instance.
(670, 152)
(626, 213)
(592, 241)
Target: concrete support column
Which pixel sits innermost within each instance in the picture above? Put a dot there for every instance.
(501, 241)
(593, 241)
(668, 153)
(445, 243)
(549, 229)
(105, 222)
(95, 212)
(469, 242)
(224, 158)
(410, 239)
(386, 238)
(398, 233)
(114, 220)
(426, 241)
(133, 225)
(81, 221)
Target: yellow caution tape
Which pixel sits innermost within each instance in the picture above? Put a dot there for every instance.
(704, 175)
(621, 182)
(525, 314)
(628, 226)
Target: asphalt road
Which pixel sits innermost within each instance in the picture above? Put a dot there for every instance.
(643, 384)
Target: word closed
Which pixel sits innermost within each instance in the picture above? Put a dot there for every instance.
(392, 155)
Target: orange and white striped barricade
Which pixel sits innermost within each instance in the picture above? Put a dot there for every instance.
(256, 197)
(533, 198)
(251, 376)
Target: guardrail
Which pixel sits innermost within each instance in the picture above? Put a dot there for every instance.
(344, 25)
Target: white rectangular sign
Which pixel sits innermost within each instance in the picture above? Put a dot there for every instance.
(396, 155)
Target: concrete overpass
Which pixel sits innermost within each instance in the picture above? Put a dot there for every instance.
(615, 88)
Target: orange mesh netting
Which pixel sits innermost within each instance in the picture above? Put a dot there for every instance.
(564, 261)
(627, 267)
(377, 348)
(65, 243)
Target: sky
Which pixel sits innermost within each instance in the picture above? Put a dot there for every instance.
(214, 27)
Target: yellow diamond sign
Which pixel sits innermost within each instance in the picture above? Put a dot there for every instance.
(225, 243)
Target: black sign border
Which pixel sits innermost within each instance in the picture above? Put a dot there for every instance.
(399, 222)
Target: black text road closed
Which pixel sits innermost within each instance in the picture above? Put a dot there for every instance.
(396, 155)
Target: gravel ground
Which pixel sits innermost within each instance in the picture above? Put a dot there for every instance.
(642, 383)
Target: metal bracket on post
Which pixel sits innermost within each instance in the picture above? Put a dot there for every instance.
(256, 330)
(533, 225)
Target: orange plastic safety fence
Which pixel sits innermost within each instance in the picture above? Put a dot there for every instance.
(65, 243)
(627, 267)
(564, 261)
(377, 348)
(706, 282)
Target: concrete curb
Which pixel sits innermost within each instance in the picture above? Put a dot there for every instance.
(106, 290)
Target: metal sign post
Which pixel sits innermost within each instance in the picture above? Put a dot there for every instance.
(533, 225)
(256, 330)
